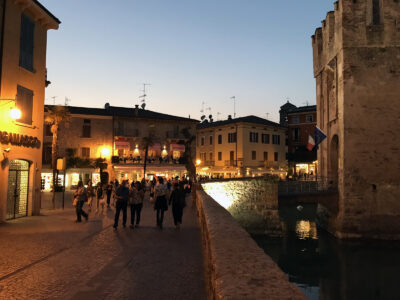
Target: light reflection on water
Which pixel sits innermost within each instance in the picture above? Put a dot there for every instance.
(326, 268)
(306, 230)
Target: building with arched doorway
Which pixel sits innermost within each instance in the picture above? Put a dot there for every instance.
(23, 28)
(357, 70)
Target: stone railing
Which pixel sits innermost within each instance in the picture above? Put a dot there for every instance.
(236, 267)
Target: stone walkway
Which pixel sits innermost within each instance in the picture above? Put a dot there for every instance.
(51, 257)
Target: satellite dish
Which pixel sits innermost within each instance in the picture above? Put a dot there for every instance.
(203, 117)
(143, 105)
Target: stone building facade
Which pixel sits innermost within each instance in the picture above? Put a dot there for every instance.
(117, 134)
(23, 39)
(357, 70)
(241, 147)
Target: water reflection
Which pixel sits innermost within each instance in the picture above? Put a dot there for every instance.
(326, 268)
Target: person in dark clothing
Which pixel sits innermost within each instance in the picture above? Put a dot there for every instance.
(109, 193)
(178, 203)
(161, 204)
(81, 195)
(122, 196)
(136, 201)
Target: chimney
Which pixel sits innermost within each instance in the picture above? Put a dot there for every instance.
(107, 105)
(136, 109)
(230, 117)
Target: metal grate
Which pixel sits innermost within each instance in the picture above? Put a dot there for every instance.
(17, 192)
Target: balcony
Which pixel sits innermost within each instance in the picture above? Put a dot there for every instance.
(139, 161)
(231, 163)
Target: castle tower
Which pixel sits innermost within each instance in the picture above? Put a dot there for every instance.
(357, 70)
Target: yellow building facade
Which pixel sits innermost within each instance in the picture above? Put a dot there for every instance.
(23, 28)
(241, 147)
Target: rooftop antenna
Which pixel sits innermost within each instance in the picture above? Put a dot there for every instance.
(66, 101)
(267, 114)
(234, 106)
(218, 114)
(287, 99)
(143, 97)
(54, 99)
(306, 103)
(202, 111)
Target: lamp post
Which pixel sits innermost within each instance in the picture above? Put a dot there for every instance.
(15, 112)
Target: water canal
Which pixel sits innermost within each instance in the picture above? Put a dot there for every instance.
(326, 268)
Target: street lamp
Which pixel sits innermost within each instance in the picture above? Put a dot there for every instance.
(15, 113)
(198, 162)
(105, 152)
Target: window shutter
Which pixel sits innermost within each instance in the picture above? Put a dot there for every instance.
(26, 42)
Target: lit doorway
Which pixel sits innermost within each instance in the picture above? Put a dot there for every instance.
(17, 192)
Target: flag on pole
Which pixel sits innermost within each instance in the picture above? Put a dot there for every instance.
(319, 136)
(311, 143)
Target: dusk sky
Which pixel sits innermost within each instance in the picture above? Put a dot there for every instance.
(190, 51)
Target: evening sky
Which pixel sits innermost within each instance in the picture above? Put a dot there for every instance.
(190, 51)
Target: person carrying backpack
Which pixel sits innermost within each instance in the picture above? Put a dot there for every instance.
(81, 196)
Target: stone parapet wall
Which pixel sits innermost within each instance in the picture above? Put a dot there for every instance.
(236, 267)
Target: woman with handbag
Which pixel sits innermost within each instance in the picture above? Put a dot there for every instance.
(160, 205)
(80, 196)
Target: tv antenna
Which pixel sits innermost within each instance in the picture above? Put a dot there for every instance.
(54, 99)
(267, 115)
(234, 106)
(67, 101)
(306, 103)
(218, 114)
(143, 97)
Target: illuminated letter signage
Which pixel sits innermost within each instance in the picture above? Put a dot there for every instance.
(19, 139)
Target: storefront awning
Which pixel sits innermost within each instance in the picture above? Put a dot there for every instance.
(155, 147)
(177, 147)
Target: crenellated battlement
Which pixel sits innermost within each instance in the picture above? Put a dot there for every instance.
(356, 23)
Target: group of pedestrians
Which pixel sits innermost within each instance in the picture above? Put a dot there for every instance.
(162, 195)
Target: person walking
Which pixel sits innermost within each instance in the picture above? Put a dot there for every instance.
(109, 193)
(122, 198)
(136, 196)
(100, 197)
(81, 196)
(90, 194)
(160, 205)
(178, 200)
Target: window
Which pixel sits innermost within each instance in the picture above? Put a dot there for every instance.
(376, 12)
(265, 138)
(232, 137)
(253, 155)
(265, 156)
(202, 141)
(211, 156)
(86, 129)
(26, 43)
(295, 120)
(232, 155)
(276, 139)
(253, 137)
(211, 140)
(219, 139)
(47, 154)
(47, 130)
(276, 156)
(85, 152)
(296, 134)
(219, 155)
(309, 119)
(25, 104)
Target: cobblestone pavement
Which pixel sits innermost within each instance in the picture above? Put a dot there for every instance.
(51, 257)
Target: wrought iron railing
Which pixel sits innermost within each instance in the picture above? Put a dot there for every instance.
(307, 186)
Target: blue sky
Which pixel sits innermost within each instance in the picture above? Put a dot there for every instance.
(190, 51)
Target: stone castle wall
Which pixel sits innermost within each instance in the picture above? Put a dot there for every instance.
(252, 202)
(357, 70)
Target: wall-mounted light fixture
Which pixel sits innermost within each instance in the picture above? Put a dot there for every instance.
(15, 112)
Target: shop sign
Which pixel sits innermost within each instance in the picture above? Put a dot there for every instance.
(177, 147)
(19, 139)
(122, 145)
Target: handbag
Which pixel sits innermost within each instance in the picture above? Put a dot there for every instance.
(75, 201)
